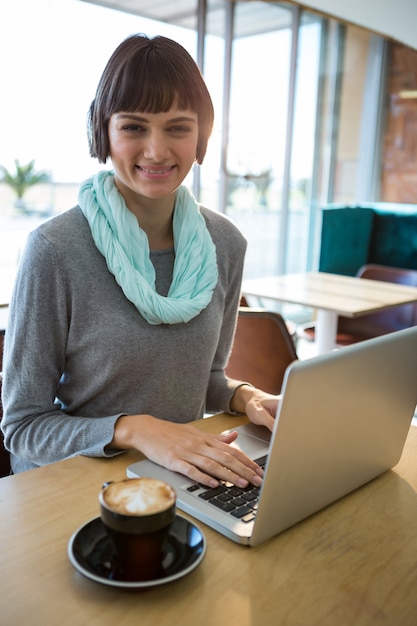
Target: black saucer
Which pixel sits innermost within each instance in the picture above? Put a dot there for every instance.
(90, 552)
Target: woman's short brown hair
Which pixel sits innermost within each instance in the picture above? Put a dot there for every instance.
(149, 75)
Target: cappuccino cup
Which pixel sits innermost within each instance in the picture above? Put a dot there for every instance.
(137, 514)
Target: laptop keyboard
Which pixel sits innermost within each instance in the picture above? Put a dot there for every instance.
(238, 502)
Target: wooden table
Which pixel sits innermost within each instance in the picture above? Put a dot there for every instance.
(331, 295)
(353, 564)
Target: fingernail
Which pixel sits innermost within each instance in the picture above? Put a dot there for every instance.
(257, 480)
(242, 482)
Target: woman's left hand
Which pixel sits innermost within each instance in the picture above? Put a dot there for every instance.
(259, 406)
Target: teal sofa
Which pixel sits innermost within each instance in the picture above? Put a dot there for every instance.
(381, 233)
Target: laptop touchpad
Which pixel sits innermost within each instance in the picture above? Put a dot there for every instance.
(252, 440)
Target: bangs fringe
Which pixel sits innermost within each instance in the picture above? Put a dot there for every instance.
(155, 87)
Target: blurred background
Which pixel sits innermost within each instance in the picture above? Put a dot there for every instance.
(311, 109)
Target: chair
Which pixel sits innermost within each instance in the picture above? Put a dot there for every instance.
(352, 330)
(291, 326)
(262, 349)
(4, 455)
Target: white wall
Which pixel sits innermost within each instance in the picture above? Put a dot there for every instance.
(396, 19)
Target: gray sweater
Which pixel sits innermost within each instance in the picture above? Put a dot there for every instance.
(78, 355)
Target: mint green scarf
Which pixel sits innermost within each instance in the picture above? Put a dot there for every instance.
(119, 238)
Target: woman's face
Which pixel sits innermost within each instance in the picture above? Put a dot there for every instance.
(152, 153)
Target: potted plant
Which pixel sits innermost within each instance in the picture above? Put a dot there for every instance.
(24, 177)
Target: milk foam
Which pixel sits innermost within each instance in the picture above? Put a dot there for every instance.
(139, 496)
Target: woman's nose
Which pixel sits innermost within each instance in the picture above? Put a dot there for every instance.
(156, 147)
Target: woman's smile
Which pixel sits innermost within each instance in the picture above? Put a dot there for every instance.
(155, 172)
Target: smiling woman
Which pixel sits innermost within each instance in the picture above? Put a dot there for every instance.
(153, 131)
(126, 305)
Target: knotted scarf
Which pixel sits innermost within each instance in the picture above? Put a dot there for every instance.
(120, 239)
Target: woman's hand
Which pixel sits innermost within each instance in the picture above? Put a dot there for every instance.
(259, 406)
(183, 448)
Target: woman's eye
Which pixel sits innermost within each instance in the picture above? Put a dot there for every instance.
(133, 128)
(180, 130)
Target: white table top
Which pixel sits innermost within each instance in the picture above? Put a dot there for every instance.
(344, 295)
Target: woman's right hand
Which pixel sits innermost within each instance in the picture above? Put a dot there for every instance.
(202, 457)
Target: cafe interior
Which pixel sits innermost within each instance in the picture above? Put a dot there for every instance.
(314, 157)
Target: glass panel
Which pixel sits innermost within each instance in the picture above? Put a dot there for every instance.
(303, 145)
(44, 109)
(213, 75)
(257, 132)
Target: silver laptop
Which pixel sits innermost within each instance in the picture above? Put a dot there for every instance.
(343, 421)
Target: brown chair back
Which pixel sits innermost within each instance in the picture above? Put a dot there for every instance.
(262, 349)
(2, 333)
(390, 320)
(4, 455)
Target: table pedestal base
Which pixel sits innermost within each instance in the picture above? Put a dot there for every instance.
(326, 330)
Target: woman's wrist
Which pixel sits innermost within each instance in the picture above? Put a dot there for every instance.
(241, 397)
(127, 431)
